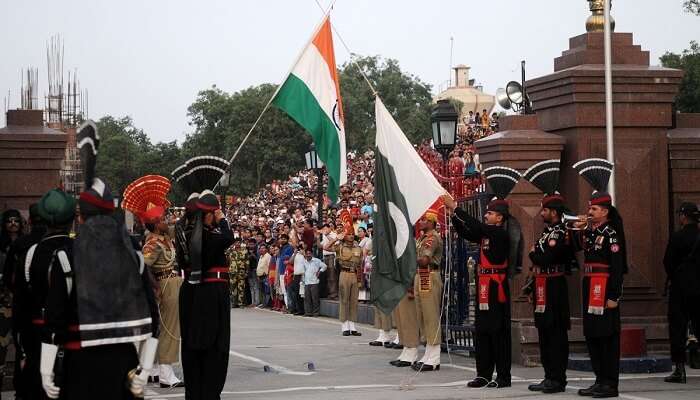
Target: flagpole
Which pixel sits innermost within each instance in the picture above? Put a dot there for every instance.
(608, 99)
(269, 102)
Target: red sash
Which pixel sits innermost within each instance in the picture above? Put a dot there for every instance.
(596, 292)
(486, 278)
(540, 293)
(541, 289)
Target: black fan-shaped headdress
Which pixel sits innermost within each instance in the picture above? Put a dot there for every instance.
(501, 180)
(88, 143)
(96, 196)
(545, 176)
(200, 173)
(596, 171)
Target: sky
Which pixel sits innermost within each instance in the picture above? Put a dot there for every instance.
(149, 59)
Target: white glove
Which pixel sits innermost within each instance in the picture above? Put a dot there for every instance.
(138, 383)
(48, 359)
(147, 354)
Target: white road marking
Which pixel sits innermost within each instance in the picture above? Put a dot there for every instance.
(277, 368)
(457, 384)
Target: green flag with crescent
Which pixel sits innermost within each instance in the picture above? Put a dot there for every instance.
(404, 189)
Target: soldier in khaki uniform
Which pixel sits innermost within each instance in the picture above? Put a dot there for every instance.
(159, 256)
(349, 257)
(406, 320)
(238, 268)
(428, 291)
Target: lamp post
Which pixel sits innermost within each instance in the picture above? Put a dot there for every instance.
(444, 122)
(315, 163)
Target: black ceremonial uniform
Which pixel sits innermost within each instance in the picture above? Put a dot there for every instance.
(205, 318)
(551, 258)
(31, 291)
(684, 294)
(492, 326)
(604, 261)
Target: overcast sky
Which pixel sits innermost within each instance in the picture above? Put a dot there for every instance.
(148, 59)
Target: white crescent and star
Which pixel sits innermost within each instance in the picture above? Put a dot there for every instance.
(402, 229)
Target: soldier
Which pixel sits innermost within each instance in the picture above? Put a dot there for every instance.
(146, 198)
(681, 263)
(551, 258)
(605, 262)
(382, 322)
(428, 287)
(238, 256)
(406, 318)
(205, 302)
(99, 325)
(500, 258)
(349, 256)
(57, 209)
(12, 229)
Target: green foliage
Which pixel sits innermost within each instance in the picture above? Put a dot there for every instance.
(688, 99)
(692, 6)
(404, 95)
(275, 149)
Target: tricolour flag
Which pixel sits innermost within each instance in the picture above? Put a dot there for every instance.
(311, 96)
(404, 189)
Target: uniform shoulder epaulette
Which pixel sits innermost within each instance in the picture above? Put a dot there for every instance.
(610, 231)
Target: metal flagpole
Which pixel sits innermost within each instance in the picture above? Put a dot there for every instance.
(608, 98)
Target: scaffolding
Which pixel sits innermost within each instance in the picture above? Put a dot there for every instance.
(66, 106)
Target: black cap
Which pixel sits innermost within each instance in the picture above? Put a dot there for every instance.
(689, 209)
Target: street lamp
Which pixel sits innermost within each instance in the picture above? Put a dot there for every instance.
(315, 163)
(444, 121)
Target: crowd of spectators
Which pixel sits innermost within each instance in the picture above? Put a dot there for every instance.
(281, 222)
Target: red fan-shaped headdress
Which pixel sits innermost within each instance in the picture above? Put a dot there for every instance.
(147, 198)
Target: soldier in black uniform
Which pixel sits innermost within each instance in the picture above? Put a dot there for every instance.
(205, 303)
(57, 209)
(14, 265)
(551, 258)
(605, 263)
(101, 328)
(501, 252)
(682, 264)
(205, 308)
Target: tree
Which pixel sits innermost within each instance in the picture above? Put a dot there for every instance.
(404, 95)
(688, 99)
(692, 6)
(274, 150)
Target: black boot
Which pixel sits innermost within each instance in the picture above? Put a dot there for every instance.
(678, 374)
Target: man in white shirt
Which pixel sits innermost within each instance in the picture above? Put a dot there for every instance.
(298, 303)
(329, 259)
(261, 272)
(312, 269)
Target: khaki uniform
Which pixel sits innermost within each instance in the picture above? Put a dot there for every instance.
(407, 321)
(238, 268)
(350, 260)
(159, 255)
(428, 288)
(382, 321)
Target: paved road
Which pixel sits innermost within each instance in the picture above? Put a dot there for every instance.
(347, 368)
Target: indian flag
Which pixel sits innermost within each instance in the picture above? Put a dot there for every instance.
(311, 96)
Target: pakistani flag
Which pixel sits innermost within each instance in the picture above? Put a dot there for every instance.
(404, 189)
(311, 96)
